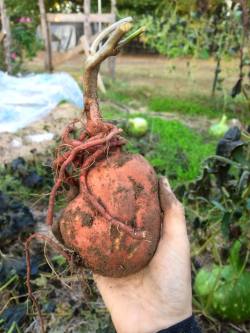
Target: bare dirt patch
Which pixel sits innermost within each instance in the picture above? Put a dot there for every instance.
(177, 77)
(16, 144)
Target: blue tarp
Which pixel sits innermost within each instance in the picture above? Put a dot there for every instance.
(26, 99)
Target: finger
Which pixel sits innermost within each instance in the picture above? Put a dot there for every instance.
(105, 288)
(106, 283)
(166, 196)
(174, 223)
(100, 282)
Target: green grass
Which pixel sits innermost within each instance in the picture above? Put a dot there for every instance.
(148, 97)
(155, 100)
(202, 106)
(173, 150)
(13, 186)
(12, 182)
(180, 150)
(189, 107)
(118, 96)
(125, 93)
(110, 113)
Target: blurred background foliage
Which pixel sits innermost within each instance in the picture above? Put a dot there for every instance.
(174, 28)
(24, 20)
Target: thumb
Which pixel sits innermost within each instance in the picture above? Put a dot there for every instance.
(174, 223)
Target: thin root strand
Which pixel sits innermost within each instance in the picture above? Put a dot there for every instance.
(83, 155)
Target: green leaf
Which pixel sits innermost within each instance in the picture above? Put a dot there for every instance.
(218, 205)
(234, 257)
(226, 221)
(60, 260)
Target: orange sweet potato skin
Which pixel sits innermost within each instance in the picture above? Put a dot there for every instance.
(127, 186)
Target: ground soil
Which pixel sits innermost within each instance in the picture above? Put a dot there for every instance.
(53, 123)
(56, 121)
(178, 77)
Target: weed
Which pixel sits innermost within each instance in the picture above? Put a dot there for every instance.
(28, 181)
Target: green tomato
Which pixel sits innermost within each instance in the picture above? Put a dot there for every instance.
(220, 128)
(137, 126)
(224, 292)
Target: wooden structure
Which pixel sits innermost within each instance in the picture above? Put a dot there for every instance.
(87, 18)
(46, 36)
(5, 36)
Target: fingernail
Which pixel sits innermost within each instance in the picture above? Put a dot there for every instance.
(166, 183)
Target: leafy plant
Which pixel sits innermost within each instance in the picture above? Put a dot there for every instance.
(182, 29)
(218, 207)
(223, 189)
(24, 19)
(224, 290)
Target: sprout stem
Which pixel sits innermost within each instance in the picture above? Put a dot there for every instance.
(110, 48)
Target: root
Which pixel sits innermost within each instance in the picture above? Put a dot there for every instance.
(74, 154)
(66, 135)
(136, 234)
(82, 155)
(57, 248)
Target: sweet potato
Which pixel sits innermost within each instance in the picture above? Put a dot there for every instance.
(126, 186)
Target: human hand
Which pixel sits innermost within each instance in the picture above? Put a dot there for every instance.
(160, 295)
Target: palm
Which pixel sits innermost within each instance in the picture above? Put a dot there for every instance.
(159, 295)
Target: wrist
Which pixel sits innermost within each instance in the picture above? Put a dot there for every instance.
(153, 324)
(169, 321)
(188, 325)
(164, 315)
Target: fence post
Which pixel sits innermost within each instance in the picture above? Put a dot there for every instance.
(46, 36)
(7, 36)
(87, 28)
(112, 60)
